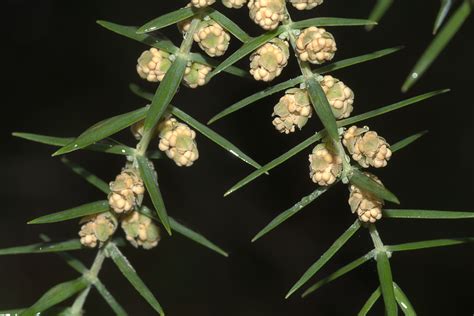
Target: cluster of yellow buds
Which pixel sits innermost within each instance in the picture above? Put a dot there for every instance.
(315, 45)
(140, 230)
(367, 147)
(212, 38)
(195, 74)
(340, 96)
(325, 166)
(202, 3)
(126, 191)
(364, 204)
(234, 4)
(305, 4)
(267, 62)
(293, 109)
(97, 229)
(177, 140)
(153, 64)
(267, 13)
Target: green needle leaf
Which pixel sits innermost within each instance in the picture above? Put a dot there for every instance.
(429, 244)
(56, 295)
(107, 146)
(379, 10)
(165, 92)
(293, 82)
(157, 40)
(76, 212)
(131, 275)
(330, 22)
(81, 268)
(290, 212)
(203, 59)
(438, 44)
(403, 301)
(442, 13)
(204, 130)
(44, 139)
(255, 97)
(198, 238)
(213, 136)
(386, 283)
(44, 247)
(426, 214)
(325, 257)
(166, 20)
(340, 272)
(103, 129)
(366, 183)
(186, 232)
(151, 183)
(110, 299)
(248, 47)
(407, 141)
(321, 106)
(341, 64)
(370, 302)
(389, 108)
(275, 162)
(89, 177)
(229, 25)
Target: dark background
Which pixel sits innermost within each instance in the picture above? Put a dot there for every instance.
(62, 73)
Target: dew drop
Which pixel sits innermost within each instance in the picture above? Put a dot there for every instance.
(414, 75)
(76, 145)
(123, 151)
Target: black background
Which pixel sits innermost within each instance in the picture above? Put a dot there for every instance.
(62, 73)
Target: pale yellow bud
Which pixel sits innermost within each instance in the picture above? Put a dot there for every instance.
(141, 231)
(267, 13)
(305, 4)
(325, 166)
(340, 96)
(153, 64)
(315, 45)
(267, 62)
(97, 229)
(367, 207)
(234, 4)
(293, 110)
(366, 147)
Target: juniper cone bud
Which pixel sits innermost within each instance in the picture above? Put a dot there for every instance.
(234, 4)
(367, 206)
(324, 165)
(201, 3)
(340, 96)
(195, 75)
(267, 62)
(97, 229)
(305, 4)
(153, 64)
(366, 147)
(315, 45)
(293, 109)
(179, 143)
(212, 38)
(267, 13)
(126, 191)
(141, 231)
